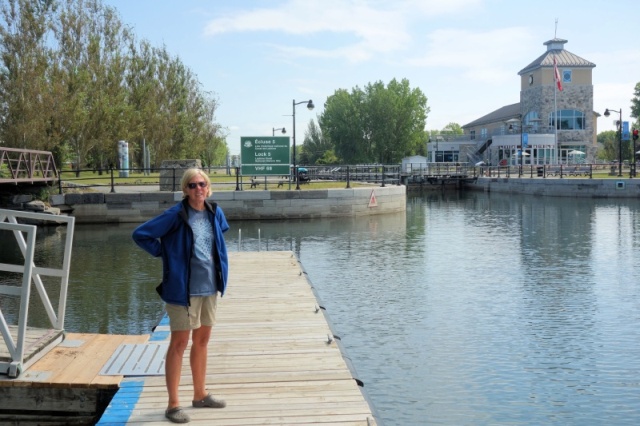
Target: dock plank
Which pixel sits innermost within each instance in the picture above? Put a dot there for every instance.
(272, 357)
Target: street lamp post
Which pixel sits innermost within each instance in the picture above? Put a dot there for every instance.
(511, 122)
(607, 112)
(310, 106)
(279, 128)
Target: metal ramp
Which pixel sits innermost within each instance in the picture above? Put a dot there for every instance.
(24, 345)
(146, 359)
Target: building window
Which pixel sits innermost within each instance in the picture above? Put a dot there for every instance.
(531, 122)
(568, 119)
(566, 76)
(447, 156)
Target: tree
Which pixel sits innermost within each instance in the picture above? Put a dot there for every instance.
(315, 145)
(25, 97)
(329, 157)
(74, 80)
(145, 122)
(635, 106)
(609, 142)
(395, 120)
(90, 64)
(635, 102)
(378, 124)
(452, 129)
(342, 121)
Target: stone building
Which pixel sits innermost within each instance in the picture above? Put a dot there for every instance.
(554, 122)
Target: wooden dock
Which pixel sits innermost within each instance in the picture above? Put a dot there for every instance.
(272, 357)
(64, 387)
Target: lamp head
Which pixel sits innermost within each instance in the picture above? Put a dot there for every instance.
(284, 130)
(310, 105)
(606, 112)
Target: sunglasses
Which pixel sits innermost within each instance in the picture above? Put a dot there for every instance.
(194, 185)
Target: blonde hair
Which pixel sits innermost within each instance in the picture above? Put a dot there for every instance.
(190, 174)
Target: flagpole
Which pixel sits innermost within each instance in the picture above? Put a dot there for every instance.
(555, 105)
(555, 120)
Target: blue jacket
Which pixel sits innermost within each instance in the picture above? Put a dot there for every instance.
(170, 236)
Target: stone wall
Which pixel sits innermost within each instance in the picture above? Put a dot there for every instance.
(171, 172)
(574, 187)
(240, 205)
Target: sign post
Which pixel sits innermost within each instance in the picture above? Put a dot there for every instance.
(265, 156)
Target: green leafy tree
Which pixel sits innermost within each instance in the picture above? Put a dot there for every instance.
(343, 122)
(315, 145)
(635, 102)
(144, 120)
(609, 142)
(329, 157)
(395, 120)
(635, 106)
(74, 80)
(214, 150)
(90, 64)
(109, 107)
(452, 129)
(25, 96)
(378, 124)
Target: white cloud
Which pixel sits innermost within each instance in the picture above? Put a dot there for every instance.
(353, 53)
(491, 56)
(377, 26)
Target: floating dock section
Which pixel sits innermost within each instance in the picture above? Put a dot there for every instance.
(273, 357)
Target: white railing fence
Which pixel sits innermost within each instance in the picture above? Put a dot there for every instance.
(25, 236)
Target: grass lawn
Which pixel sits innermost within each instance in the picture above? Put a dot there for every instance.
(220, 181)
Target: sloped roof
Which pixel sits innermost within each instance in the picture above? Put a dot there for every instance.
(501, 114)
(563, 57)
(555, 47)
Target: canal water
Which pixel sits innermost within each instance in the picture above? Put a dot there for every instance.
(468, 309)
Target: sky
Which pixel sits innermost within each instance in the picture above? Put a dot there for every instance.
(258, 57)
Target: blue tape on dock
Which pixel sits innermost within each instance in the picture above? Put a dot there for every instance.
(164, 320)
(161, 334)
(122, 404)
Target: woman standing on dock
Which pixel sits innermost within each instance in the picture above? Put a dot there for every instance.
(189, 238)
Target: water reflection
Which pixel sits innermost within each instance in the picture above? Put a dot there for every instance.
(468, 309)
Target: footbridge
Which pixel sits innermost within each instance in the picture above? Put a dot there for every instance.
(26, 166)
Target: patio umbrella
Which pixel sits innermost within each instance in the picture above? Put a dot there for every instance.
(575, 152)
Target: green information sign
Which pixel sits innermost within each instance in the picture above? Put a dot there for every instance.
(263, 155)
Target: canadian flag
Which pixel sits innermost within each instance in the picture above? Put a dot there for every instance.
(556, 73)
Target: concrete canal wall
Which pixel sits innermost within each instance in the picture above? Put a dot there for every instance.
(239, 205)
(554, 187)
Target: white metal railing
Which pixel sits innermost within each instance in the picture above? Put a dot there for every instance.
(25, 235)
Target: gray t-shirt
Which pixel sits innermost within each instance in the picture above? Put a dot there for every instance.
(202, 281)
